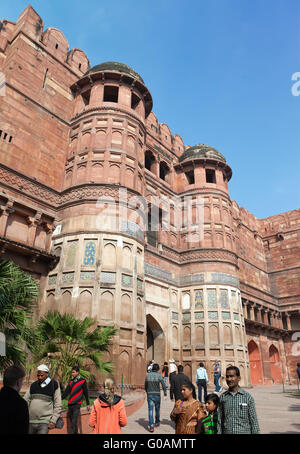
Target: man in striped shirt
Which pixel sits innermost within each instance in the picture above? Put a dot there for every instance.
(237, 414)
(76, 389)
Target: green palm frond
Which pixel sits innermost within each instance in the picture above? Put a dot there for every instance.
(73, 341)
(19, 293)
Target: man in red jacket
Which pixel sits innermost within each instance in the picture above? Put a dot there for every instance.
(76, 389)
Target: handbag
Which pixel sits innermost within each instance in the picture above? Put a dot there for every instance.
(59, 423)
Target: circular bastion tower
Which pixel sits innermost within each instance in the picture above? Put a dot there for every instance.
(213, 326)
(100, 236)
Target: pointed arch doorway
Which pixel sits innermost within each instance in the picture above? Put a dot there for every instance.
(255, 364)
(156, 341)
(275, 365)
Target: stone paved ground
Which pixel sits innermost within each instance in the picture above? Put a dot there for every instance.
(277, 412)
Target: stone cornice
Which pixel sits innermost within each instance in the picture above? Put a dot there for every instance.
(100, 109)
(36, 190)
(194, 255)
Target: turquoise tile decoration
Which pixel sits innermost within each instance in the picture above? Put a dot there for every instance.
(224, 299)
(71, 254)
(108, 278)
(226, 316)
(139, 284)
(212, 299)
(52, 279)
(186, 317)
(236, 317)
(87, 275)
(126, 280)
(199, 315)
(199, 299)
(213, 315)
(89, 254)
(67, 278)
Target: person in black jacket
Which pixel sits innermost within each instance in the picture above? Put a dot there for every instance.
(14, 415)
(76, 388)
(179, 380)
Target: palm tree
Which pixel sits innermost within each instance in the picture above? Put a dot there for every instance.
(65, 341)
(18, 295)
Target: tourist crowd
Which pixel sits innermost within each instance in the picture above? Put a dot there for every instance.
(221, 412)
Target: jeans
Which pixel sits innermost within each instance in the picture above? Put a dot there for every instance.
(216, 382)
(39, 428)
(73, 413)
(153, 401)
(202, 384)
(166, 380)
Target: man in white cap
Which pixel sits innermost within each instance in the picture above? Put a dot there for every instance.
(44, 402)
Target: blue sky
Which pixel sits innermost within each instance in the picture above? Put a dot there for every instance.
(219, 72)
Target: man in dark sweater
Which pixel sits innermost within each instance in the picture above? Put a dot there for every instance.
(14, 416)
(179, 380)
(76, 388)
(152, 388)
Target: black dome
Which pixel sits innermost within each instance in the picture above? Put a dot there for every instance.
(115, 66)
(201, 151)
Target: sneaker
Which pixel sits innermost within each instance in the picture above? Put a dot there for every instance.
(151, 429)
(157, 425)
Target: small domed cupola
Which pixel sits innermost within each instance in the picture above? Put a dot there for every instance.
(201, 151)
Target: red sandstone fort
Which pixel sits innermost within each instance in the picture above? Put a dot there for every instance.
(71, 135)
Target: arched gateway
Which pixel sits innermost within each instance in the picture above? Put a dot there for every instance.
(255, 364)
(156, 341)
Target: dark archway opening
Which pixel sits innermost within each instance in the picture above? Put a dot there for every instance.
(156, 341)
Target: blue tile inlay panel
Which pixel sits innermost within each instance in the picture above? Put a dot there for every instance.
(199, 299)
(213, 315)
(226, 316)
(132, 229)
(52, 279)
(222, 278)
(126, 280)
(224, 299)
(89, 254)
(199, 315)
(212, 299)
(108, 278)
(87, 275)
(67, 278)
(186, 317)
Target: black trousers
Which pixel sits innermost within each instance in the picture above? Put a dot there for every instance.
(171, 376)
(73, 413)
(202, 384)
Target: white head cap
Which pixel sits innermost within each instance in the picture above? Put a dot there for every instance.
(43, 367)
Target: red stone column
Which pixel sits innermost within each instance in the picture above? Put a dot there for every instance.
(6, 211)
(288, 321)
(33, 222)
(259, 315)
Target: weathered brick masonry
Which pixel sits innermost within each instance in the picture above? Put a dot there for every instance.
(72, 137)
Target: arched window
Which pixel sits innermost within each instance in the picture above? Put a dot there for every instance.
(163, 171)
(149, 161)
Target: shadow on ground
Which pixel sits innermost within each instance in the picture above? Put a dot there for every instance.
(144, 423)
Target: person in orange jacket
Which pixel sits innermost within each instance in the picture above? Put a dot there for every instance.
(108, 414)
